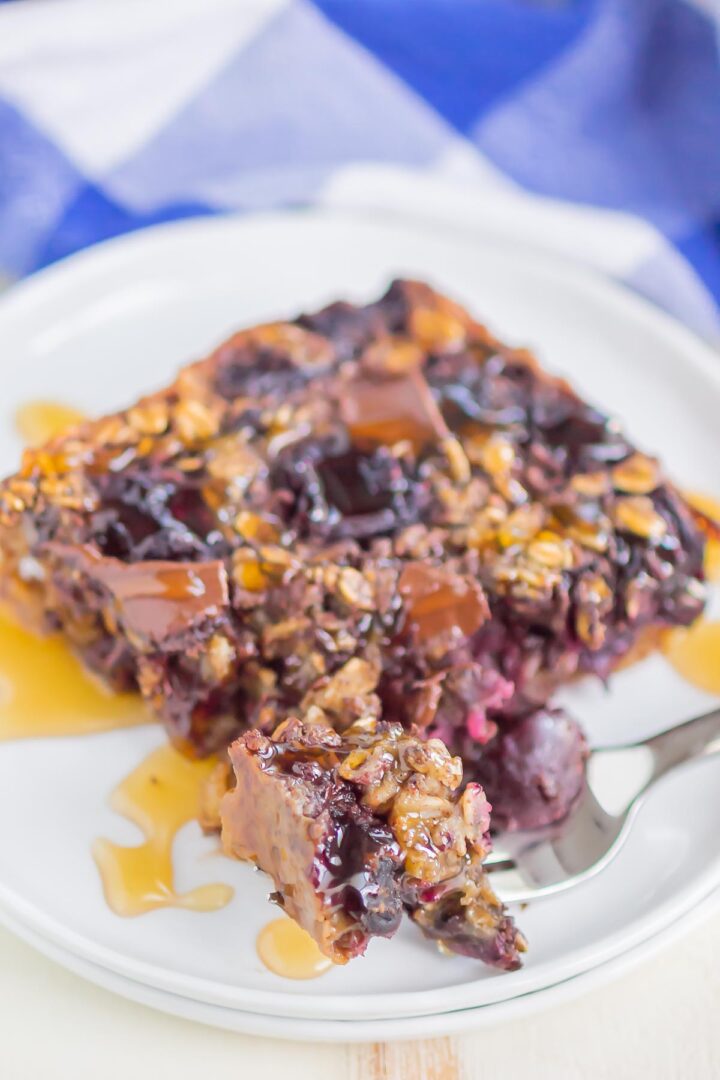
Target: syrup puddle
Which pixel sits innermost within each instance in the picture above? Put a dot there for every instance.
(695, 654)
(288, 950)
(694, 651)
(38, 421)
(44, 690)
(160, 796)
(710, 506)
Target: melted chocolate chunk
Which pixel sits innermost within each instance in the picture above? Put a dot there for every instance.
(440, 605)
(158, 601)
(383, 411)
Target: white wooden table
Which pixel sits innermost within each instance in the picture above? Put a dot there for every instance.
(661, 1022)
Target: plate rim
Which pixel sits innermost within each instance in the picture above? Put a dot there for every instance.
(434, 1025)
(118, 254)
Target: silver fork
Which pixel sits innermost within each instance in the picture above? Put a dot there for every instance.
(529, 865)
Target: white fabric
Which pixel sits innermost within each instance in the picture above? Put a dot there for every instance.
(123, 68)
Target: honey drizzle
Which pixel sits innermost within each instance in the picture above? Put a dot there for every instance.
(160, 796)
(695, 654)
(44, 690)
(288, 950)
(706, 504)
(694, 651)
(38, 421)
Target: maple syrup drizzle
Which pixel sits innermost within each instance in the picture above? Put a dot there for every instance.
(695, 654)
(288, 950)
(44, 690)
(38, 421)
(710, 506)
(160, 796)
(694, 651)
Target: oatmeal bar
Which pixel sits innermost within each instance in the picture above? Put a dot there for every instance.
(375, 506)
(356, 829)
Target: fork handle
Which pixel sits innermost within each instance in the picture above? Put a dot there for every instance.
(695, 739)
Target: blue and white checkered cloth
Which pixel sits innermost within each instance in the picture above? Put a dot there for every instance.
(593, 125)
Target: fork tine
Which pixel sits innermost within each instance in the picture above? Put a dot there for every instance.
(494, 864)
(589, 833)
(539, 864)
(548, 861)
(511, 886)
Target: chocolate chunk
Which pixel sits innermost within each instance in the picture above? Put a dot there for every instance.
(441, 605)
(157, 601)
(382, 411)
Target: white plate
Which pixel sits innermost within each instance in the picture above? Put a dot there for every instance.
(355, 1031)
(110, 323)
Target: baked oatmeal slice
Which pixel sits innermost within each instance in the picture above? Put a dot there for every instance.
(356, 829)
(302, 479)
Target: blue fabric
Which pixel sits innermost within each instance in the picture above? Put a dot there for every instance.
(463, 57)
(37, 183)
(603, 103)
(629, 118)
